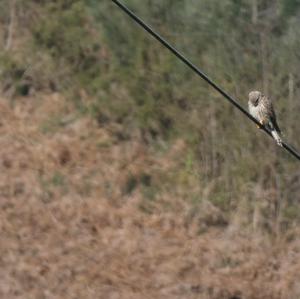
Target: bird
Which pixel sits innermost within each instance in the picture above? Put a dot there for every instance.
(261, 108)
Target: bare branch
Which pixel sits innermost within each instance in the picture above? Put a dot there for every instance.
(11, 25)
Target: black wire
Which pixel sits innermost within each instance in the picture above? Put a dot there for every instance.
(200, 73)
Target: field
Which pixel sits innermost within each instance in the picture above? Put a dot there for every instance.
(76, 220)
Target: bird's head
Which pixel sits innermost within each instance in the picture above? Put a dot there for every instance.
(254, 97)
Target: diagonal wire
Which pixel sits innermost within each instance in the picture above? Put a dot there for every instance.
(200, 73)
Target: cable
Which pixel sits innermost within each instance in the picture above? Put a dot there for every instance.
(200, 73)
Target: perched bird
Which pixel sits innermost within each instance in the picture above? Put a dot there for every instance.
(261, 108)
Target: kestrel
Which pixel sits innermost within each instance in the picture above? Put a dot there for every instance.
(261, 108)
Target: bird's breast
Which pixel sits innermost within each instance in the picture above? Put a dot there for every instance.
(254, 110)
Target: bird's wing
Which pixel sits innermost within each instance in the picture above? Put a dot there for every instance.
(271, 112)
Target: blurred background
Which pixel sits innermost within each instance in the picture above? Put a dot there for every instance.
(123, 174)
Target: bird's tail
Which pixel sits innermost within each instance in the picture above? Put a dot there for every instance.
(277, 137)
(275, 131)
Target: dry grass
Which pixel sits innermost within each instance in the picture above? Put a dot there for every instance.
(76, 221)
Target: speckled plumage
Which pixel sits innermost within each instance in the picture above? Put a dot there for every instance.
(261, 108)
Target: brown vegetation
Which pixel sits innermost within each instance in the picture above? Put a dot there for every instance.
(79, 220)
